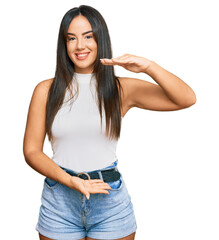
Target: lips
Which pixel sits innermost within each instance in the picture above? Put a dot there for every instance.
(82, 56)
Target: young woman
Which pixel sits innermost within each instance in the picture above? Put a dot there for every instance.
(81, 109)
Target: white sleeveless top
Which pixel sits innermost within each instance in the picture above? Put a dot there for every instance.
(77, 140)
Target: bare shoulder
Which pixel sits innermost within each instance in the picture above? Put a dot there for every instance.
(41, 90)
(43, 87)
(46, 83)
(35, 126)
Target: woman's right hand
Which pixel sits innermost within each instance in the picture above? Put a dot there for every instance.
(89, 186)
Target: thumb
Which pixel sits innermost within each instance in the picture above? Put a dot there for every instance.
(87, 195)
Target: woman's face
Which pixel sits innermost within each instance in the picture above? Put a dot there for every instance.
(81, 45)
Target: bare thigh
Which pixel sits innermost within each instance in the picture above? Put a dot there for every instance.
(46, 238)
(129, 237)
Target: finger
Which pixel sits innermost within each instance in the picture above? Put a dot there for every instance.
(104, 186)
(87, 195)
(106, 61)
(101, 185)
(119, 62)
(108, 187)
(124, 56)
(98, 187)
(115, 60)
(110, 60)
(96, 181)
(102, 191)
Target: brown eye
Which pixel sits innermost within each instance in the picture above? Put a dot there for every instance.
(70, 39)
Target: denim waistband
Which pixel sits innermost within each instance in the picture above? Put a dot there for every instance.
(114, 165)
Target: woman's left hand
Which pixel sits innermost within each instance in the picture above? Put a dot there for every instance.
(130, 62)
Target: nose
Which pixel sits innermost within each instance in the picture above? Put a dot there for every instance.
(80, 44)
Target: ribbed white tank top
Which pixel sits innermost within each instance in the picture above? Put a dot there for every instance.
(77, 140)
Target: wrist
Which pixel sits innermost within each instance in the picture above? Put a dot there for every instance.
(66, 179)
(75, 183)
(71, 183)
(150, 68)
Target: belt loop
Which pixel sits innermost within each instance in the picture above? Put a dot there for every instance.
(100, 175)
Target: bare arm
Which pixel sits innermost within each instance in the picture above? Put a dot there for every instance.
(35, 135)
(33, 147)
(176, 89)
(170, 93)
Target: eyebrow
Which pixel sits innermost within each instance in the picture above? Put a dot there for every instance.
(82, 33)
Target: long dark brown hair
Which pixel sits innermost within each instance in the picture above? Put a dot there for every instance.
(109, 95)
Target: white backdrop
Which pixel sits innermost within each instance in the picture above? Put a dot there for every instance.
(169, 160)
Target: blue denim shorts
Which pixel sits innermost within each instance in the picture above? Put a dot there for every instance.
(66, 214)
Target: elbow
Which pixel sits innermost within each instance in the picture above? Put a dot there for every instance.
(188, 102)
(26, 153)
(29, 155)
(192, 99)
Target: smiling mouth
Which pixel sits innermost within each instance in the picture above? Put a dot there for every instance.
(81, 56)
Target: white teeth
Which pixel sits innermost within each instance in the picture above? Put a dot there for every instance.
(82, 55)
